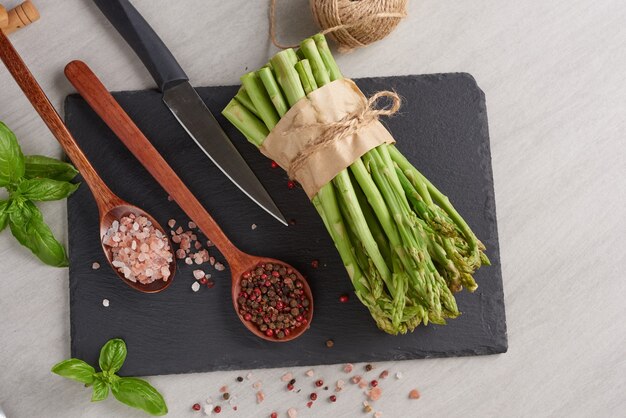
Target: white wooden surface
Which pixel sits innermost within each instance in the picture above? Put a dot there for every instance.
(554, 76)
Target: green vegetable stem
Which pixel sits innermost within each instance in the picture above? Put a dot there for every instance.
(131, 391)
(405, 247)
(28, 179)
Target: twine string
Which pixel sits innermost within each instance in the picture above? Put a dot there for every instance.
(349, 124)
(359, 21)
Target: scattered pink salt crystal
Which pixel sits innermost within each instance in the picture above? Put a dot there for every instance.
(198, 274)
(287, 377)
(180, 254)
(414, 394)
(219, 266)
(253, 227)
(212, 260)
(179, 230)
(355, 379)
(105, 303)
(169, 198)
(195, 286)
(95, 266)
(138, 250)
(378, 414)
(257, 384)
(375, 393)
(399, 375)
(188, 261)
(339, 385)
(171, 223)
(197, 245)
(249, 376)
(362, 384)
(310, 373)
(260, 396)
(348, 368)
(191, 225)
(224, 389)
(309, 404)
(383, 374)
(292, 413)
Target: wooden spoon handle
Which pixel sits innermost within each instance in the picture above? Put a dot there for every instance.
(22, 75)
(101, 101)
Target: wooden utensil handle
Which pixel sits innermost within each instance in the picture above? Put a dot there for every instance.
(24, 78)
(101, 101)
(18, 17)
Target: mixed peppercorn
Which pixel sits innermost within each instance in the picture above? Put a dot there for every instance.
(272, 297)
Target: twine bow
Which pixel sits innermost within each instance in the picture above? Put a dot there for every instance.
(344, 127)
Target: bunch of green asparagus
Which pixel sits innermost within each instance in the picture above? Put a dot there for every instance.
(404, 246)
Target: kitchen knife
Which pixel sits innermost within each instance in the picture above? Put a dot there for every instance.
(184, 102)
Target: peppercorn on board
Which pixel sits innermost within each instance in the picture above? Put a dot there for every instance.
(442, 129)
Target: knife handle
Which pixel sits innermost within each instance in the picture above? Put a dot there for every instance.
(144, 41)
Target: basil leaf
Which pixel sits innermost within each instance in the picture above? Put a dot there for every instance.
(29, 228)
(4, 214)
(139, 394)
(75, 369)
(39, 166)
(100, 390)
(11, 158)
(46, 189)
(112, 355)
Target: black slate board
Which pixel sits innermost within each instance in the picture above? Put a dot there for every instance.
(442, 129)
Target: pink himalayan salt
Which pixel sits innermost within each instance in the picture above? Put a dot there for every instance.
(171, 223)
(348, 368)
(362, 384)
(191, 225)
(375, 393)
(260, 396)
(355, 379)
(224, 389)
(287, 377)
(257, 384)
(378, 414)
(292, 413)
(138, 250)
(414, 394)
(198, 274)
(384, 374)
(310, 373)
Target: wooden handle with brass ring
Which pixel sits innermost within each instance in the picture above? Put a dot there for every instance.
(18, 17)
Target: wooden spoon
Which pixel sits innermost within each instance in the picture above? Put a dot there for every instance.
(110, 206)
(101, 101)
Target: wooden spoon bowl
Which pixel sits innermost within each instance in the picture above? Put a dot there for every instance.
(101, 101)
(121, 209)
(251, 262)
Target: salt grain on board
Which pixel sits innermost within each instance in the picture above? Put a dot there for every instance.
(260, 396)
(399, 375)
(208, 409)
(348, 368)
(219, 266)
(253, 227)
(224, 389)
(195, 286)
(414, 394)
(198, 274)
(287, 377)
(95, 266)
(292, 413)
(257, 384)
(355, 379)
(378, 414)
(105, 303)
(171, 223)
(310, 373)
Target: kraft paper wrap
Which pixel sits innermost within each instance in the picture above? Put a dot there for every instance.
(308, 120)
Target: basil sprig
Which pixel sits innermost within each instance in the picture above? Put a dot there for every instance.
(28, 179)
(131, 391)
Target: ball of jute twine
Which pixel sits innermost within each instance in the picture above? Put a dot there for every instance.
(352, 23)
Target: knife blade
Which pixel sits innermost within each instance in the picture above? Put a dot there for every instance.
(184, 102)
